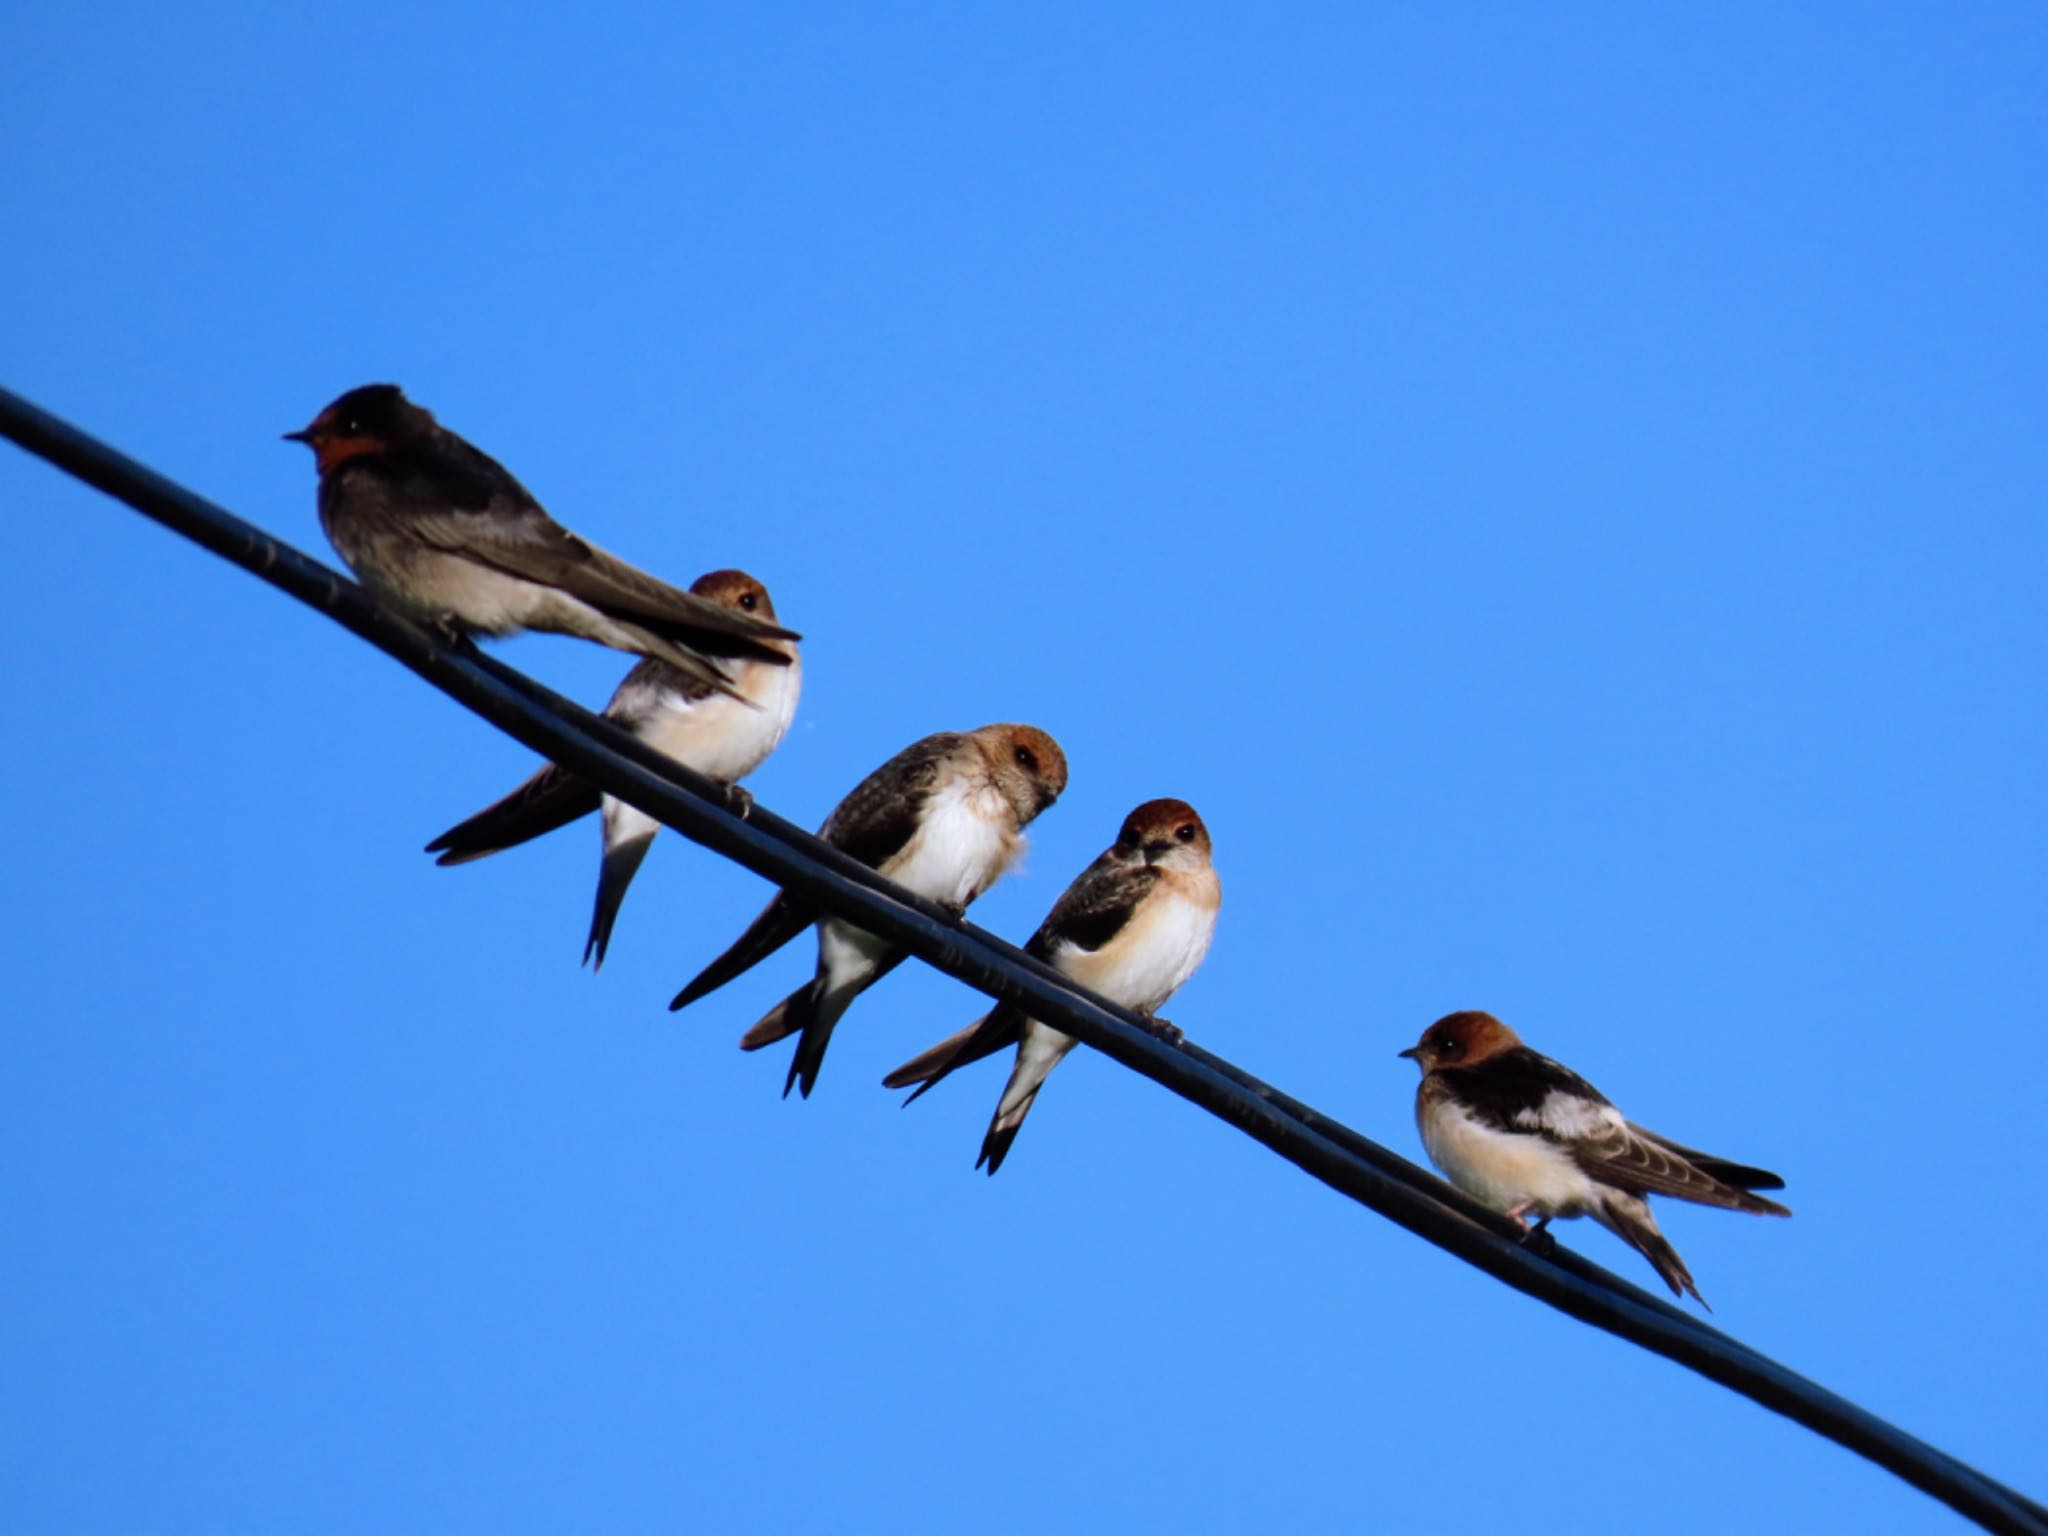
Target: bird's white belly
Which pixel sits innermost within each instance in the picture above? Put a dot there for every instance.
(963, 843)
(720, 736)
(1501, 1170)
(1146, 963)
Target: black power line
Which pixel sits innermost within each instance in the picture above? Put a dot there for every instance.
(830, 881)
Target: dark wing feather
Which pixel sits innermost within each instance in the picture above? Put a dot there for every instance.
(534, 547)
(1094, 909)
(1643, 1166)
(780, 921)
(1741, 1175)
(1646, 1165)
(552, 798)
(491, 518)
(443, 469)
(1507, 1092)
(1000, 1027)
(881, 815)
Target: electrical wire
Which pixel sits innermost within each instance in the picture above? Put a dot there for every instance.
(829, 881)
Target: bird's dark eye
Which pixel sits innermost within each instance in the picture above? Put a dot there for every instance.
(749, 602)
(1027, 759)
(1447, 1045)
(1185, 832)
(351, 427)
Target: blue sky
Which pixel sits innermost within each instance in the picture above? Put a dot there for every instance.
(1560, 490)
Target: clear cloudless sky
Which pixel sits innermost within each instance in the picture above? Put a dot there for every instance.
(1560, 488)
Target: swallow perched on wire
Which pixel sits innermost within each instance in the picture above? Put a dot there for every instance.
(1132, 927)
(439, 529)
(724, 736)
(1525, 1136)
(942, 818)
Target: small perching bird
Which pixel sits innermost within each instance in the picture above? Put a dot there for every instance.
(440, 530)
(723, 734)
(1526, 1136)
(943, 818)
(1132, 927)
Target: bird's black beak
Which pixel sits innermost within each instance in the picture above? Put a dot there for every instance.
(1157, 849)
(1413, 1053)
(303, 435)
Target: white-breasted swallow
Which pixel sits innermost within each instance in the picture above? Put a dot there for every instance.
(1131, 928)
(943, 818)
(441, 531)
(1526, 1136)
(724, 736)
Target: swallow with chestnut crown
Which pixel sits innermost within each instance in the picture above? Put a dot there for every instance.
(724, 736)
(441, 531)
(943, 818)
(1526, 1137)
(1132, 927)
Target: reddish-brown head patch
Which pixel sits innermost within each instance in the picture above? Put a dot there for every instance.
(1164, 823)
(371, 419)
(1462, 1039)
(736, 590)
(1027, 763)
(330, 451)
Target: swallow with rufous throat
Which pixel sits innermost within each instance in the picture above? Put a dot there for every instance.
(943, 818)
(724, 736)
(1526, 1137)
(441, 531)
(1131, 928)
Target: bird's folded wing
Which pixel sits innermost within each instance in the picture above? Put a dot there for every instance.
(998, 1028)
(877, 820)
(780, 921)
(1741, 1175)
(527, 543)
(1617, 1154)
(1095, 908)
(552, 798)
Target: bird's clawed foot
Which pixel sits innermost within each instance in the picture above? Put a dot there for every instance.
(1164, 1029)
(739, 800)
(1536, 1239)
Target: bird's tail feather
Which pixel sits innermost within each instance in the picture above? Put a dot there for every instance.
(621, 863)
(825, 1008)
(552, 798)
(810, 1013)
(1628, 1218)
(1002, 1130)
(1039, 1050)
